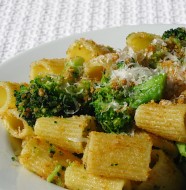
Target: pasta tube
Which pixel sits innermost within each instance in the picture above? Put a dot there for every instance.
(167, 121)
(118, 156)
(76, 177)
(87, 49)
(45, 159)
(164, 174)
(95, 67)
(140, 40)
(16, 125)
(67, 133)
(167, 146)
(7, 99)
(46, 66)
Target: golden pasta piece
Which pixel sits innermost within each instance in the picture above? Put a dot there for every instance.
(164, 174)
(16, 125)
(95, 67)
(118, 155)
(87, 49)
(46, 66)
(68, 133)
(167, 146)
(76, 177)
(140, 40)
(167, 121)
(15, 145)
(7, 99)
(46, 159)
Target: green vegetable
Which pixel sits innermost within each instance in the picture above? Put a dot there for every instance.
(172, 44)
(110, 110)
(177, 35)
(53, 96)
(182, 159)
(181, 148)
(114, 107)
(74, 68)
(147, 91)
(54, 176)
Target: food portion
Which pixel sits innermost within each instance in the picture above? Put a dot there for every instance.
(102, 118)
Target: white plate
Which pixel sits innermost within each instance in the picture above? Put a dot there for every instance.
(13, 176)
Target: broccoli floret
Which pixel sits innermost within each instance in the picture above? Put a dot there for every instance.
(52, 96)
(115, 107)
(172, 44)
(178, 35)
(176, 41)
(111, 112)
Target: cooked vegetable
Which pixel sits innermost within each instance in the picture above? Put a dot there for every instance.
(116, 99)
(177, 35)
(52, 96)
(149, 90)
(73, 69)
(181, 148)
(111, 111)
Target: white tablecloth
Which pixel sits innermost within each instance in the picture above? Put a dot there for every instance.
(25, 24)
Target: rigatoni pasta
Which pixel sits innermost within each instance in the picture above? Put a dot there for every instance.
(167, 146)
(164, 174)
(167, 121)
(43, 158)
(7, 99)
(77, 176)
(87, 49)
(46, 66)
(95, 67)
(67, 133)
(16, 125)
(118, 156)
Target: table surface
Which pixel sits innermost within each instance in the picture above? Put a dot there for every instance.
(29, 23)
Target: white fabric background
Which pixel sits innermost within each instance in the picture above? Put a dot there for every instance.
(25, 24)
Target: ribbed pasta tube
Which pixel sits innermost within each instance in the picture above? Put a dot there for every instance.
(76, 177)
(167, 146)
(68, 133)
(164, 174)
(87, 49)
(94, 68)
(16, 125)
(167, 121)
(46, 66)
(7, 99)
(118, 156)
(45, 159)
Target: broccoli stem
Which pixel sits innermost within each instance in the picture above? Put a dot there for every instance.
(147, 91)
(74, 67)
(54, 174)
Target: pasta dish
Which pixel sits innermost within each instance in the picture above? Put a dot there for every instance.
(102, 118)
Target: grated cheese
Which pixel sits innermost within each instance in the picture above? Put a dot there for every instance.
(136, 75)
